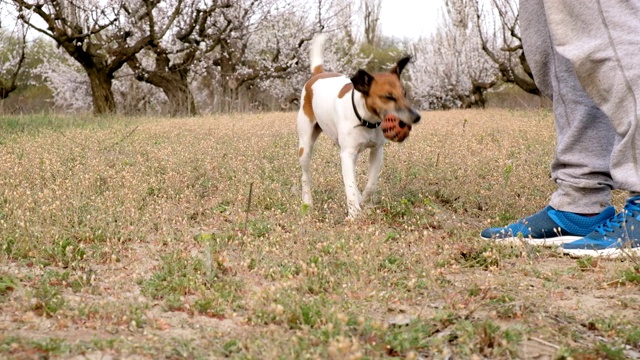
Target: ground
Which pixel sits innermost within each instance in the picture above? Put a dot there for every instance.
(186, 238)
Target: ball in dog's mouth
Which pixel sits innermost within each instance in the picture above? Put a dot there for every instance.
(395, 129)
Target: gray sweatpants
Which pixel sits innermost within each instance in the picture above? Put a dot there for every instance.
(584, 56)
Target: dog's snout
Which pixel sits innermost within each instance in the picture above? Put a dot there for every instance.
(408, 116)
(416, 118)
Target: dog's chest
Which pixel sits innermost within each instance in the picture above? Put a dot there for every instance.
(371, 143)
(358, 138)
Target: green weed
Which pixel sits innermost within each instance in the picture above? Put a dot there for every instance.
(178, 275)
(587, 263)
(8, 283)
(631, 275)
(65, 253)
(48, 298)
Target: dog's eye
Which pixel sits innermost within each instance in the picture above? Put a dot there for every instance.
(390, 97)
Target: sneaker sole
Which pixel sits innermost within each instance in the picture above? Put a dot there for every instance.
(606, 253)
(537, 242)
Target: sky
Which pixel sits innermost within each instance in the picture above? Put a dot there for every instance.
(409, 18)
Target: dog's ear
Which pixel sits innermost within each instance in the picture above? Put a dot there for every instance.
(362, 81)
(400, 65)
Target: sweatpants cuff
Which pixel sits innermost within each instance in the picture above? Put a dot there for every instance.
(581, 200)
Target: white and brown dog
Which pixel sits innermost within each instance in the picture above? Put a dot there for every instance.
(349, 111)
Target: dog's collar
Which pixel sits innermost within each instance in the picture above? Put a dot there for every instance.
(363, 122)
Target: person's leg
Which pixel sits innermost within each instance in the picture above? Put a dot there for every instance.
(584, 133)
(584, 183)
(599, 37)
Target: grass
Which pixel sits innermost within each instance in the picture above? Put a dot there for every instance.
(186, 238)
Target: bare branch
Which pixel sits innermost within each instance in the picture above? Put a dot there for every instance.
(12, 84)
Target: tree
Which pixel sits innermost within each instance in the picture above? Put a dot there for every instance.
(341, 53)
(450, 68)
(70, 88)
(100, 35)
(250, 42)
(371, 14)
(504, 45)
(12, 57)
(218, 55)
(172, 57)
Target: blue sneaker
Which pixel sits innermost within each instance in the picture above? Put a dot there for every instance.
(615, 237)
(548, 227)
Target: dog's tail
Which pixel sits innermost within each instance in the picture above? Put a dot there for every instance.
(317, 45)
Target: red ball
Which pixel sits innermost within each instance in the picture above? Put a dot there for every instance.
(395, 129)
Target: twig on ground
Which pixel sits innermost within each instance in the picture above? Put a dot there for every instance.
(543, 342)
(246, 214)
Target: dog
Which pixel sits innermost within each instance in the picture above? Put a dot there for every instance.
(349, 111)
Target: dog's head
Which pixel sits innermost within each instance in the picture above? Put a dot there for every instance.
(384, 93)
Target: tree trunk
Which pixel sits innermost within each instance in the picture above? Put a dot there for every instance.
(228, 86)
(175, 86)
(101, 90)
(172, 79)
(181, 101)
(6, 89)
(371, 19)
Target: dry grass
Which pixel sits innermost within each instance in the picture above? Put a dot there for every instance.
(135, 238)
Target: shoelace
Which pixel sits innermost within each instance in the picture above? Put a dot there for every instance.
(617, 221)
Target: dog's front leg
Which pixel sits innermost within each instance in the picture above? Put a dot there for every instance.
(375, 166)
(348, 158)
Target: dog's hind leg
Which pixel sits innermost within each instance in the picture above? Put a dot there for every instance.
(308, 132)
(375, 166)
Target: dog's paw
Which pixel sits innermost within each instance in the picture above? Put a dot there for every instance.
(367, 197)
(395, 129)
